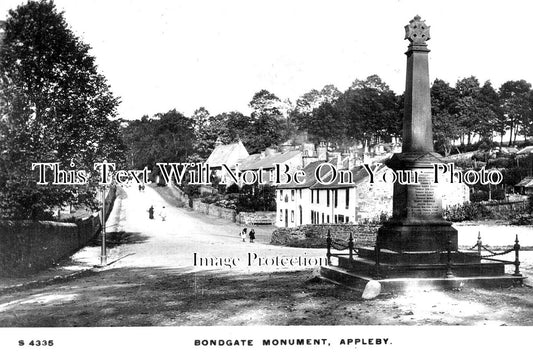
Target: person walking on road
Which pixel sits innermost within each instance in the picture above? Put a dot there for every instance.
(151, 212)
(252, 235)
(163, 214)
(243, 234)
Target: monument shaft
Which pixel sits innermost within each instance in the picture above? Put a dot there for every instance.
(417, 132)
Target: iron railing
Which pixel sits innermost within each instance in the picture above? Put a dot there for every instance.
(354, 251)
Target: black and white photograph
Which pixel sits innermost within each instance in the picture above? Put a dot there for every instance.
(237, 177)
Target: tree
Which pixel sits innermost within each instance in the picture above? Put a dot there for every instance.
(444, 115)
(55, 106)
(167, 137)
(493, 115)
(268, 125)
(515, 105)
(324, 124)
(369, 109)
(313, 103)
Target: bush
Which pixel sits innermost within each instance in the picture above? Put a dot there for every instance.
(255, 198)
(467, 211)
(234, 188)
(522, 219)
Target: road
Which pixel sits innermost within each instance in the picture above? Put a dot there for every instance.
(186, 244)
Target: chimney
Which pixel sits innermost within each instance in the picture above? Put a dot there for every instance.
(339, 161)
(322, 152)
(270, 151)
(351, 158)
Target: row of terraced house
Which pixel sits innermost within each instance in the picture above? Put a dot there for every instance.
(315, 202)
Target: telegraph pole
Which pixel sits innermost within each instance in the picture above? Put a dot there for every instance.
(103, 255)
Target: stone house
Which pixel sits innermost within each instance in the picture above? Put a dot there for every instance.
(525, 186)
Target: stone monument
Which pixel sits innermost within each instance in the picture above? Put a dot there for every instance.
(417, 223)
(417, 247)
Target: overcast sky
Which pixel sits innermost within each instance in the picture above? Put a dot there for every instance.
(160, 55)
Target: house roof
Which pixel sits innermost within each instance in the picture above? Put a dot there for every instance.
(268, 161)
(227, 154)
(526, 182)
(525, 150)
(359, 175)
(309, 180)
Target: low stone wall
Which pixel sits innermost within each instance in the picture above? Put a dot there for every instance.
(182, 199)
(256, 218)
(213, 210)
(29, 246)
(315, 235)
(518, 206)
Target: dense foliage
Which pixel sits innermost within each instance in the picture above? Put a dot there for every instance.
(54, 107)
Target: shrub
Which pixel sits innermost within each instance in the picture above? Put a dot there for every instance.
(467, 211)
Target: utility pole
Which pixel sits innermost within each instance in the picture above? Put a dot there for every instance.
(103, 255)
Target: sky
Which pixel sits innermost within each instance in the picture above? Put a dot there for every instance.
(163, 54)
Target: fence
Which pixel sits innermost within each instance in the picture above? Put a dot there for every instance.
(353, 251)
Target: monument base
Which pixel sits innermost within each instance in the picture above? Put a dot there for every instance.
(358, 281)
(417, 236)
(398, 271)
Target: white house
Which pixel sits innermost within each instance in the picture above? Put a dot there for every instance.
(317, 203)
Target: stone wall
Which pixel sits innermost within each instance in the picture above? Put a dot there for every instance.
(315, 235)
(182, 199)
(213, 210)
(518, 206)
(30, 246)
(256, 218)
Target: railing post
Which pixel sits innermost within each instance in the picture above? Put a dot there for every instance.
(328, 245)
(517, 260)
(377, 249)
(479, 243)
(449, 272)
(350, 246)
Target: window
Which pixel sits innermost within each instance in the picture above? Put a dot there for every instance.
(336, 219)
(280, 195)
(292, 194)
(318, 197)
(327, 197)
(312, 217)
(347, 198)
(280, 214)
(341, 219)
(327, 218)
(300, 193)
(312, 196)
(292, 215)
(322, 218)
(336, 196)
(347, 219)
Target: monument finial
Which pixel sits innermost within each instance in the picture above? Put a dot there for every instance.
(417, 32)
